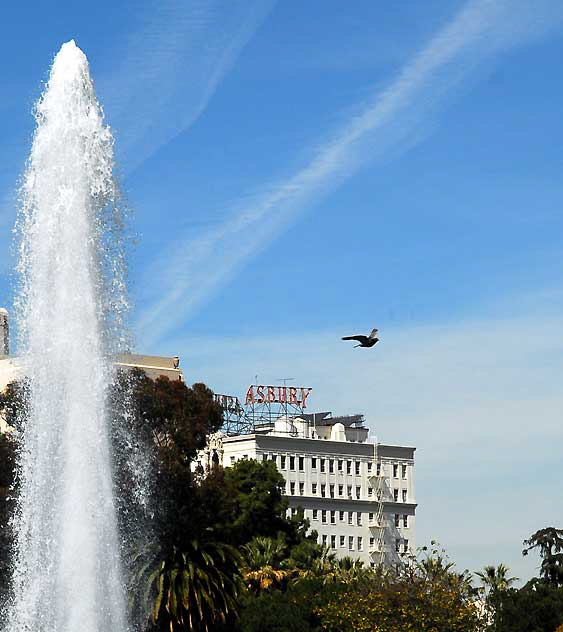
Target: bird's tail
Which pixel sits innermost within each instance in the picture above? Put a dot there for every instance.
(348, 338)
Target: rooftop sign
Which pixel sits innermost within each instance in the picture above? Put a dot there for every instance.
(277, 395)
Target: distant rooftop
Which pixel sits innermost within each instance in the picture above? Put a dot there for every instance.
(153, 366)
(326, 419)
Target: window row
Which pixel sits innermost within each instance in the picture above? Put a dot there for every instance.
(353, 542)
(330, 491)
(294, 463)
(353, 516)
(351, 492)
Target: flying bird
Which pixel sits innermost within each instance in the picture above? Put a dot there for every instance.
(365, 341)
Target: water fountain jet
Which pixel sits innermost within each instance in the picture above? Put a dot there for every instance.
(67, 571)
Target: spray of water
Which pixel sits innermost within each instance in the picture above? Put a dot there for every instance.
(67, 570)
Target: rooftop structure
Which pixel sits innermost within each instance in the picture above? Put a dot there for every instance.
(153, 366)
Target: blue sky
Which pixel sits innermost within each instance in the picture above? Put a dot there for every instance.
(299, 171)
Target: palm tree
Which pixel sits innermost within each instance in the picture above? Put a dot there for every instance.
(495, 578)
(192, 589)
(263, 564)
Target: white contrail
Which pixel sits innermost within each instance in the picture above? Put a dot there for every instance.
(171, 67)
(394, 117)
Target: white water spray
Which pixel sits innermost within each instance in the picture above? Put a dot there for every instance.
(67, 571)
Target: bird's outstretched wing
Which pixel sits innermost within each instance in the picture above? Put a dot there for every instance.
(361, 339)
(373, 333)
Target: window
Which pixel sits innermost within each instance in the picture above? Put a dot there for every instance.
(282, 462)
(233, 459)
(371, 542)
(360, 543)
(396, 495)
(301, 489)
(405, 521)
(405, 546)
(396, 520)
(245, 456)
(323, 490)
(349, 490)
(314, 463)
(292, 463)
(379, 494)
(331, 466)
(315, 514)
(323, 516)
(348, 467)
(398, 545)
(332, 541)
(395, 470)
(370, 492)
(314, 489)
(350, 517)
(292, 489)
(301, 463)
(274, 458)
(342, 540)
(404, 495)
(404, 471)
(378, 469)
(351, 542)
(293, 511)
(357, 464)
(322, 465)
(359, 519)
(331, 488)
(325, 538)
(370, 463)
(358, 492)
(371, 516)
(341, 490)
(333, 517)
(341, 516)
(340, 466)
(264, 457)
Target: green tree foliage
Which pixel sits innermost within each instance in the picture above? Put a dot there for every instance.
(7, 464)
(274, 612)
(258, 506)
(424, 595)
(549, 543)
(13, 401)
(537, 607)
(194, 589)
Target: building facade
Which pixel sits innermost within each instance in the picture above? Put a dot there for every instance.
(358, 495)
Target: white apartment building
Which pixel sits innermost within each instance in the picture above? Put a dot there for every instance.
(357, 494)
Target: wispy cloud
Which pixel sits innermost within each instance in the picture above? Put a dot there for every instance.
(165, 73)
(392, 121)
(480, 400)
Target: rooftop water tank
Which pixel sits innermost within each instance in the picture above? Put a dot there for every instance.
(338, 432)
